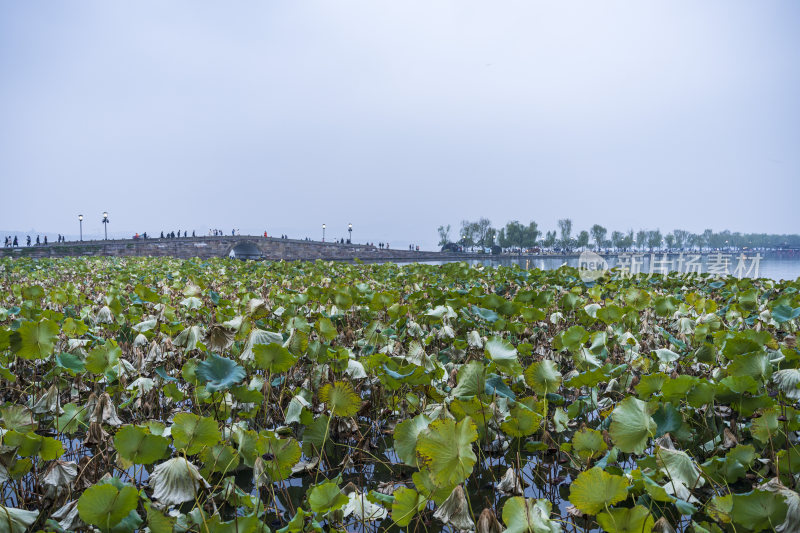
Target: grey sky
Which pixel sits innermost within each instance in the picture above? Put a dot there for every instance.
(399, 116)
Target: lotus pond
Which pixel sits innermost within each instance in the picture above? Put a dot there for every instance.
(153, 394)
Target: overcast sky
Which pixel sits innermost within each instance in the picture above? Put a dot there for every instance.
(399, 116)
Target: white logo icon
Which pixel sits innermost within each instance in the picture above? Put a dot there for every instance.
(591, 266)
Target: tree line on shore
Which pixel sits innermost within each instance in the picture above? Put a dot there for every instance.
(515, 235)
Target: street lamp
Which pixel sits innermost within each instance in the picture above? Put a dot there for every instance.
(350, 231)
(105, 223)
(323, 233)
(80, 222)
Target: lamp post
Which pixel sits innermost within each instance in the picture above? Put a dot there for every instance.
(80, 223)
(105, 223)
(350, 231)
(323, 233)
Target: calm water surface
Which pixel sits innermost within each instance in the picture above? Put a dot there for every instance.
(776, 268)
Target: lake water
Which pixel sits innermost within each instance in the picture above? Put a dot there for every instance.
(771, 266)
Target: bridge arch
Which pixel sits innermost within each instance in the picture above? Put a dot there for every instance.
(244, 250)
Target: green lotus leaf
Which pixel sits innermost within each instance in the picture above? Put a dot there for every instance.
(503, 354)
(784, 313)
(35, 340)
(326, 497)
(18, 418)
(496, 386)
(445, 448)
(588, 443)
(667, 419)
(543, 377)
(486, 314)
(405, 438)
(106, 505)
(766, 428)
(273, 357)
(521, 422)
(74, 328)
(157, 521)
(631, 425)
(30, 444)
(219, 373)
(650, 384)
(637, 298)
(219, 458)
(594, 490)
(138, 446)
(560, 419)
(104, 358)
(284, 454)
(678, 466)
(407, 503)
(735, 464)
(259, 336)
(665, 305)
(73, 363)
(33, 292)
(326, 329)
(72, 420)
(315, 435)
(573, 338)
(524, 515)
(626, 520)
(340, 398)
(471, 380)
(759, 510)
(192, 433)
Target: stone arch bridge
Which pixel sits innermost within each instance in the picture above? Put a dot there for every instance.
(242, 247)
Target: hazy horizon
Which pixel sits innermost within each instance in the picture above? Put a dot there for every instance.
(399, 118)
